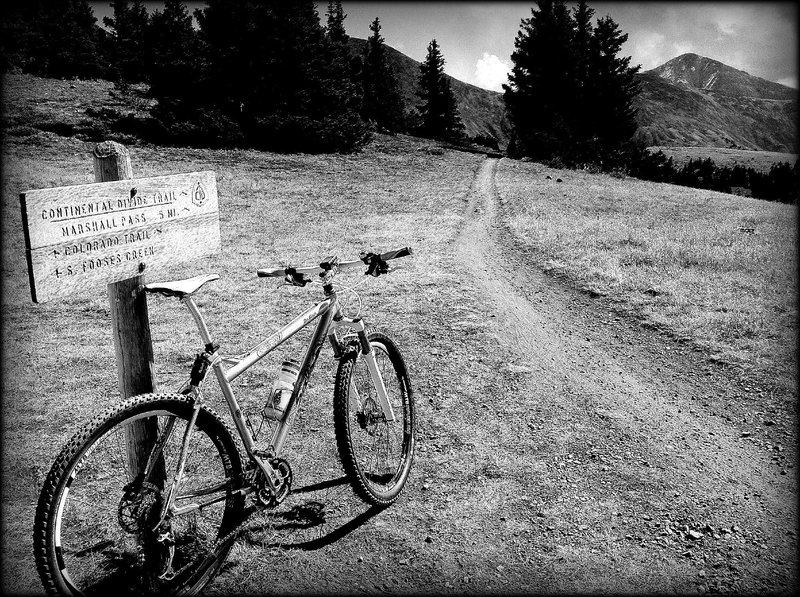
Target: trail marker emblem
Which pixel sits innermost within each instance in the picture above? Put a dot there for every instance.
(199, 196)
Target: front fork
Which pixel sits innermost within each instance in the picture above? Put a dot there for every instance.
(357, 325)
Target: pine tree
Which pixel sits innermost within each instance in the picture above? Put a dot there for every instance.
(582, 48)
(614, 87)
(382, 103)
(174, 73)
(569, 95)
(57, 39)
(131, 52)
(346, 66)
(540, 97)
(272, 71)
(438, 111)
(336, 16)
(225, 34)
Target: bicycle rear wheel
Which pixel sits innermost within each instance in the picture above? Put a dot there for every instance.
(94, 525)
(376, 454)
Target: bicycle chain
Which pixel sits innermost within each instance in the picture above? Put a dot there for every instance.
(256, 507)
(222, 541)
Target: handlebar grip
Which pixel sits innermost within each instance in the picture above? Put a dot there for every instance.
(271, 272)
(398, 253)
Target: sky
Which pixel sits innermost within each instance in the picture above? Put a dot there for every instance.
(477, 38)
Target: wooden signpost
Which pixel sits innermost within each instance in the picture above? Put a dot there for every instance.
(81, 238)
(85, 236)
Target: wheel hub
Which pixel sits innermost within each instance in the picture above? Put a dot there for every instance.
(369, 417)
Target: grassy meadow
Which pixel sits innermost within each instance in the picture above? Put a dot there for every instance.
(710, 268)
(60, 366)
(672, 256)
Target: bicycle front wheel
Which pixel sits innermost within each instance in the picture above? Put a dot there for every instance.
(95, 526)
(376, 454)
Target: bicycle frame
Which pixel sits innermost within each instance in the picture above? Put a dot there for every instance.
(330, 318)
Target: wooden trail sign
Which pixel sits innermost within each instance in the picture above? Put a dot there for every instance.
(106, 234)
(82, 237)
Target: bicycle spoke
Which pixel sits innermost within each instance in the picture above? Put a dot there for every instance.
(375, 452)
(105, 517)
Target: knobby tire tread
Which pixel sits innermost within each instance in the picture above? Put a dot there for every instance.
(342, 420)
(101, 424)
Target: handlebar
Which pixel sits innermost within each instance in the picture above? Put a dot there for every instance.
(375, 262)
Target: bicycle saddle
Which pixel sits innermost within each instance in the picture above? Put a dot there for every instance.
(180, 288)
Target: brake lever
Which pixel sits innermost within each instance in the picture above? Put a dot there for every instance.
(293, 278)
(375, 265)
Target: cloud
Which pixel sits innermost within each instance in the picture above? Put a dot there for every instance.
(729, 19)
(789, 82)
(758, 38)
(650, 50)
(491, 72)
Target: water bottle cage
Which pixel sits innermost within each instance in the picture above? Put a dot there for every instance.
(275, 399)
(375, 265)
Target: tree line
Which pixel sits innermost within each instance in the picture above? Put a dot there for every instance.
(267, 74)
(570, 98)
(271, 75)
(781, 183)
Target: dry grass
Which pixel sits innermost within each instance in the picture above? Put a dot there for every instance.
(59, 367)
(682, 259)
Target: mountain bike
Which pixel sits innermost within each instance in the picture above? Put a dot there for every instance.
(147, 497)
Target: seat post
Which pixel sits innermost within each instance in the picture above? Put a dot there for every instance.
(188, 300)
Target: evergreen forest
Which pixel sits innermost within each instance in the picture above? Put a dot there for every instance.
(266, 75)
(279, 76)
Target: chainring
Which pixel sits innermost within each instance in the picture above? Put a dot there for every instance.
(263, 493)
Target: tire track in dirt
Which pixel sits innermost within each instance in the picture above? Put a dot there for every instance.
(697, 506)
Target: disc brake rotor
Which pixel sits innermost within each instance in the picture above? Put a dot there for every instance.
(369, 417)
(138, 505)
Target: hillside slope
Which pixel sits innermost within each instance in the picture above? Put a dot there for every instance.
(698, 72)
(482, 111)
(699, 102)
(689, 101)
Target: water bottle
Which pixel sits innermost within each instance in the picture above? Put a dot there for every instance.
(282, 391)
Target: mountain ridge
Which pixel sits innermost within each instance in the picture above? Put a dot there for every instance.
(694, 101)
(707, 74)
(690, 101)
(482, 111)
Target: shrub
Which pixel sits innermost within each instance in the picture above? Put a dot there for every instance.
(485, 141)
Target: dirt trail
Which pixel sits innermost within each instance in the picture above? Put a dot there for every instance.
(561, 448)
(637, 429)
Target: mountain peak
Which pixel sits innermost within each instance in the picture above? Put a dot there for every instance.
(706, 74)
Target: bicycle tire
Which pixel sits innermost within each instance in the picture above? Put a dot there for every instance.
(90, 531)
(363, 436)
